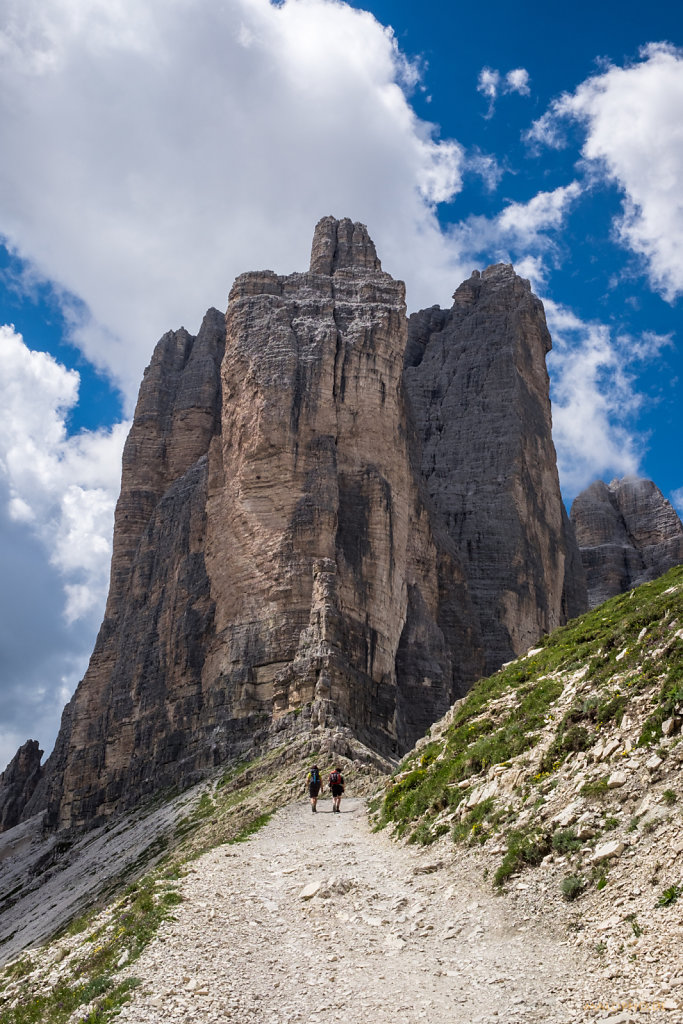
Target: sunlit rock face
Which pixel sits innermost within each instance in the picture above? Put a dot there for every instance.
(330, 518)
(627, 532)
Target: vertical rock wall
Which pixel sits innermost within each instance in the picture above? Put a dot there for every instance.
(478, 389)
(311, 480)
(122, 732)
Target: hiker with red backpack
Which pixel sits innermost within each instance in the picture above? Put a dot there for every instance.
(336, 783)
(314, 786)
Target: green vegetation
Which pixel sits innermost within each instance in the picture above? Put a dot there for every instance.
(624, 649)
(669, 797)
(572, 887)
(596, 787)
(89, 977)
(635, 927)
(565, 841)
(523, 848)
(248, 831)
(669, 896)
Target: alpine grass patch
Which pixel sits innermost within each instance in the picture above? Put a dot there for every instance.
(572, 887)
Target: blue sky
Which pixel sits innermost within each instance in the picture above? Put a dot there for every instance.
(153, 150)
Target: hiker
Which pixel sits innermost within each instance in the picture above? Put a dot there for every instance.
(336, 788)
(314, 785)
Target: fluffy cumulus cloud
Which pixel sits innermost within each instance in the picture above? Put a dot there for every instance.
(61, 487)
(595, 397)
(634, 139)
(159, 149)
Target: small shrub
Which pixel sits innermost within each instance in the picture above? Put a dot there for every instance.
(599, 876)
(572, 887)
(565, 840)
(669, 797)
(612, 710)
(597, 787)
(632, 825)
(669, 896)
(610, 823)
(430, 754)
(633, 921)
(523, 848)
(576, 738)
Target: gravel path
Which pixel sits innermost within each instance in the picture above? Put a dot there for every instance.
(389, 936)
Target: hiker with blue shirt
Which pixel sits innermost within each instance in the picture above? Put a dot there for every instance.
(314, 785)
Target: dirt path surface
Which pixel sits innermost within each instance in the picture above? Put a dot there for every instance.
(317, 919)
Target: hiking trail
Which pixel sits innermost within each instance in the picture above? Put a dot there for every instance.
(318, 919)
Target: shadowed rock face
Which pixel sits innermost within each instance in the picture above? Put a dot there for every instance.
(628, 533)
(325, 521)
(478, 390)
(18, 783)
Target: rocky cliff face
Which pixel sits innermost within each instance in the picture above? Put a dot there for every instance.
(18, 783)
(327, 521)
(628, 534)
(478, 390)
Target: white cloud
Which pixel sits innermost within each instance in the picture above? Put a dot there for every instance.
(485, 166)
(522, 233)
(517, 80)
(488, 83)
(491, 82)
(64, 487)
(634, 138)
(595, 397)
(160, 149)
(544, 211)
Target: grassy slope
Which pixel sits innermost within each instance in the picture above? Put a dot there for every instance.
(527, 725)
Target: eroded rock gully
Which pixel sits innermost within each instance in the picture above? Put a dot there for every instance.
(316, 919)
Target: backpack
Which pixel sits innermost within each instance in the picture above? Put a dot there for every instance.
(335, 779)
(315, 775)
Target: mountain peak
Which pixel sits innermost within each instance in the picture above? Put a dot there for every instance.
(340, 245)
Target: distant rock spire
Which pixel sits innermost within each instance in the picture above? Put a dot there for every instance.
(18, 782)
(628, 534)
(339, 244)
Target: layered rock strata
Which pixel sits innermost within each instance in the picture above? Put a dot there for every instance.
(628, 534)
(478, 391)
(332, 571)
(325, 522)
